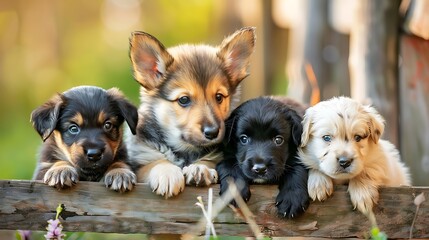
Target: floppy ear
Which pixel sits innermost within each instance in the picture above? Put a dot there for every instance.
(45, 117)
(235, 51)
(127, 109)
(149, 58)
(230, 128)
(306, 125)
(376, 123)
(295, 120)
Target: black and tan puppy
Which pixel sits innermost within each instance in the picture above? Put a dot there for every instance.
(82, 134)
(260, 146)
(187, 92)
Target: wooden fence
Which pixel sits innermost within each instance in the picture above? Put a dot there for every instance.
(90, 207)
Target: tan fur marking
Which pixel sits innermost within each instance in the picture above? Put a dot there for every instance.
(65, 151)
(78, 119)
(101, 118)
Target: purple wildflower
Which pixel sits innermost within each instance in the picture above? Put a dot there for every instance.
(24, 234)
(54, 230)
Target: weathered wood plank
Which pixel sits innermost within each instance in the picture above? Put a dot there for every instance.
(91, 207)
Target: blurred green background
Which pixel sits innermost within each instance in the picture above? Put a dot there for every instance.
(49, 46)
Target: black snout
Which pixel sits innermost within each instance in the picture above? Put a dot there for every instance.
(94, 154)
(259, 168)
(345, 161)
(210, 132)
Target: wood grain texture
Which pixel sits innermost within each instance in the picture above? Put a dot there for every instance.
(90, 207)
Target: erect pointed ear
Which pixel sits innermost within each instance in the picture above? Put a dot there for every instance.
(128, 110)
(306, 126)
(45, 117)
(149, 58)
(376, 123)
(295, 121)
(235, 51)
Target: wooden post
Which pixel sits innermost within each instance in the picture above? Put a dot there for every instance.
(374, 59)
(414, 92)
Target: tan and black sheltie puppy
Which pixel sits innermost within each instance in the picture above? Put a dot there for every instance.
(82, 134)
(187, 92)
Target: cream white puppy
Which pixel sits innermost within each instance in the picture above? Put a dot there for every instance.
(341, 144)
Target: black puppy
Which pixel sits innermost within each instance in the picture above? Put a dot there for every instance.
(260, 146)
(82, 134)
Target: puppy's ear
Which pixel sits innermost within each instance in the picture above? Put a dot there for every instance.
(128, 110)
(235, 51)
(45, 117)
(149, 58)
(230, 127)
(376, 123)
(295, 121)
(306, 126)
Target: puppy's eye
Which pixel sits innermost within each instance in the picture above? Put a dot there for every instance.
(74, 129)
(108, 126)
(184, 101)
(244, 139)
(219, 98)
(278, 140)
(358, 138)
(327, 138)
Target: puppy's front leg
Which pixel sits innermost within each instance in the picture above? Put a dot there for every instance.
(119, 177)
(320, 186)
(363, 193)
(230, 170)
(293, 198)
(165, 178)
(61, 175)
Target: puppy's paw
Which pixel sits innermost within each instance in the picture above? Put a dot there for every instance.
(120, 179)
(363, 196)
(292, 203)
(61, 176)
(166, 180)
(199, 175)
(320, 186)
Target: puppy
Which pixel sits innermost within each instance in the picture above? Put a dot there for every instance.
(186, 93)
(263, 135)
(82, 134)
(341, 143)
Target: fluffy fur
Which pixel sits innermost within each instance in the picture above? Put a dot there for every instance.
(341, 144)
(82, 134)
(263, 135)
(187, 92)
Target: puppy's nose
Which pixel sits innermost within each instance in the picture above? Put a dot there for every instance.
(345, 161)
(259, 168)
(210, 132)
(94, 154)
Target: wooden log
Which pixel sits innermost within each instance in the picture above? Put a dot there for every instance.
(90, 207)
(414, 105)
(416, 18)
(373, 60)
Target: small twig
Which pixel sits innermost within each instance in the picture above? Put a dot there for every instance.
(248, 216)
(417, 201)
(219, 205)
(209, 225)
(209, 222)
